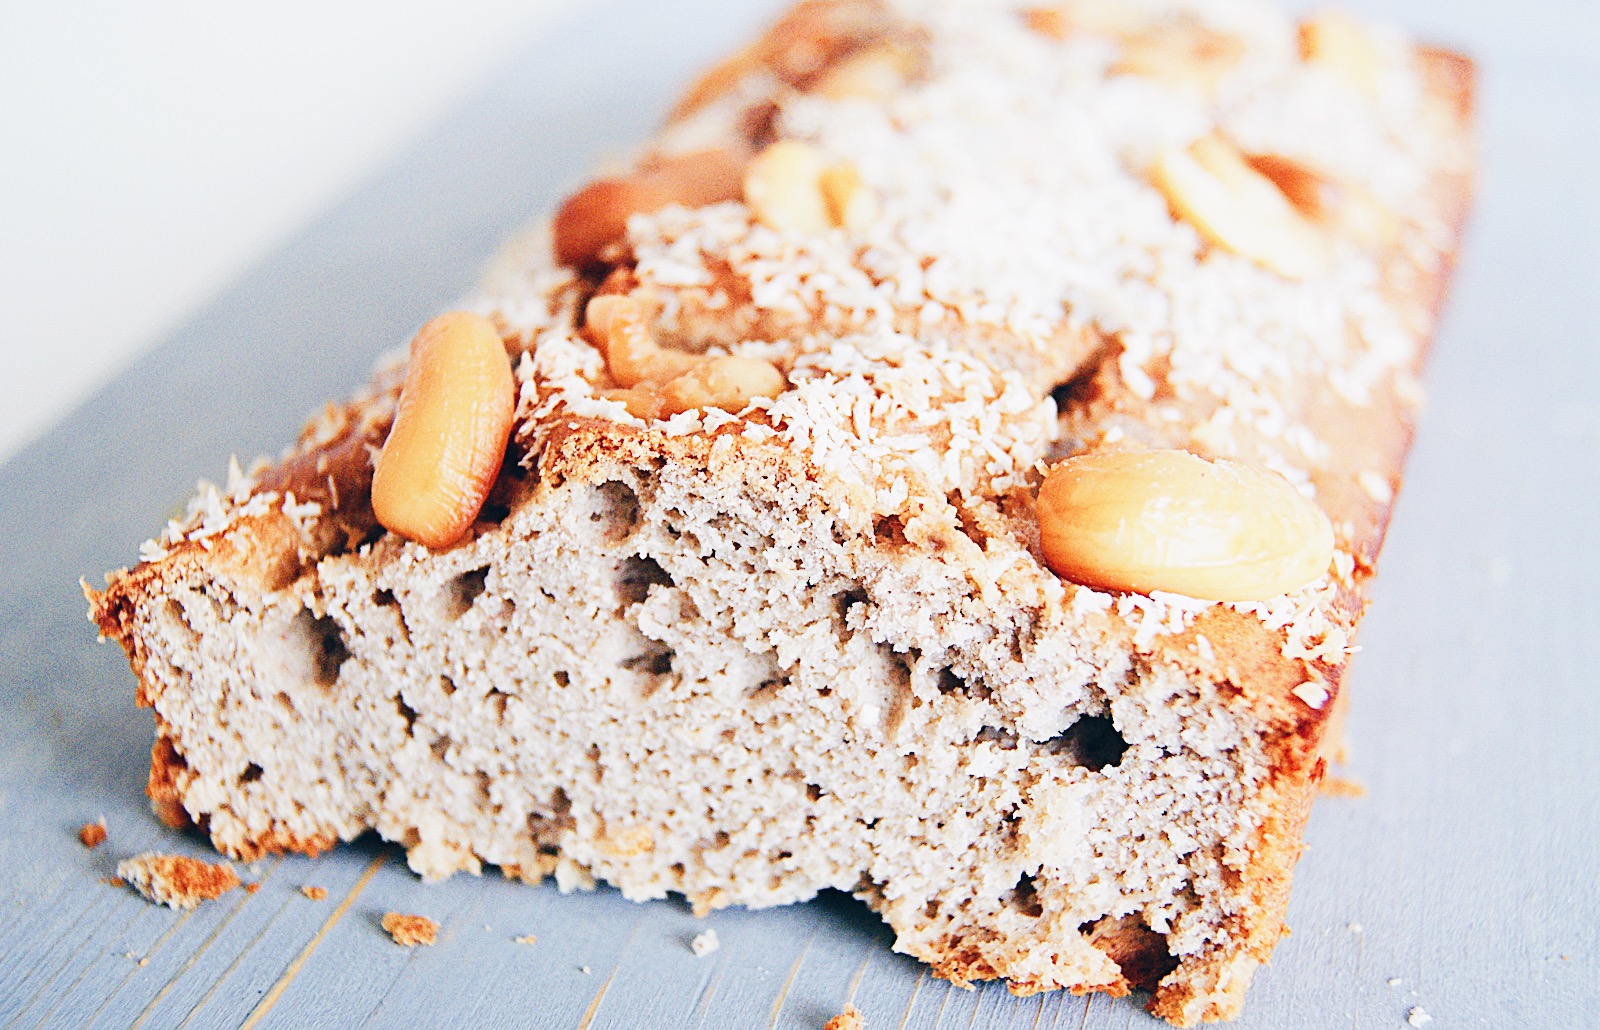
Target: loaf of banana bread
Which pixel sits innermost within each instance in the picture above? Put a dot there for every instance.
(945, 465)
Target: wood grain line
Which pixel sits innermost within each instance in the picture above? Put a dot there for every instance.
(135, 970)
(211, 992)
(855, 981)
(944, 1003)
(703, 1005)
(63, 963)
(916, 989)
(270, 999)
(794, 970)
(110, 946)
(594, 1006)
(154, 1002)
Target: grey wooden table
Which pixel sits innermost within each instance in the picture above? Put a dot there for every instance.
(1466, 883)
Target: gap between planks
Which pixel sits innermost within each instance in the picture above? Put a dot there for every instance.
(270, 999)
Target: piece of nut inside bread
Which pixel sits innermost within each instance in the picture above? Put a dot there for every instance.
(765, 598)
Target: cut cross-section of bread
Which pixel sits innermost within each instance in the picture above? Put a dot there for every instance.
(748, 646)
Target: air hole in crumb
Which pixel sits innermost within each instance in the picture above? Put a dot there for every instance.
(931, 909)
(1092, 742)
(1004, 739)
(889, 530)
(651, 663)
(1025, 897)
(844, 601)
(721, 840)
(441, 746)
(407, 714)
(463, 590)
(447, 685)
(385, 599)
(497, 701)
(728, 736)
(814, 792)
(325, 647)
(636, 575)
(285, 700)
(562, 679)
(614, 508)
(1138, 951)
(766, 690)
(251, 774)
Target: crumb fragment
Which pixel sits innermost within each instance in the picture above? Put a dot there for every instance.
(251, 888)
(705, 943)
(526, 938)
(410, 930)
(93, 834)
(1354, 927)
(1395, 981)
(1418, 1016)
(177, 881)
(314, 893)
(1343, 787)
(849, 1019)
(584, 970)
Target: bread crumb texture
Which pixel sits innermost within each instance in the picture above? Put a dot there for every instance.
(315, 893)
(92, 835)
(849, 1019)
(748, 655)
(705, 943)
(175, 880)
(410, 930)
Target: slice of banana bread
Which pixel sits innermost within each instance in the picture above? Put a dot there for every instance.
(746, 642)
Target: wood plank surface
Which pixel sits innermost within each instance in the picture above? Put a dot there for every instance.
(1465, 882)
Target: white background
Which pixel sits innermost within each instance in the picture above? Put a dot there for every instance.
(151, 151)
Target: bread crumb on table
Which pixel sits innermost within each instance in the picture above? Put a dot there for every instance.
(93, 834)
(1418, 1016)
(526, 938)
(251, 888)
(849, 1019)
(314, 893)
(176, 881)
(409, 930)
(704, 943)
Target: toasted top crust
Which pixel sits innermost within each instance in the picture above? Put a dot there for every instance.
(1023, 293)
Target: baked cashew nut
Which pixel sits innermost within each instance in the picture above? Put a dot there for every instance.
(632, 355)
(790, 188)
(729, 383)
(450, 431)
(1213, 187)
(1342, 45)
(1169, 520)
(658, 382)
(597, 215)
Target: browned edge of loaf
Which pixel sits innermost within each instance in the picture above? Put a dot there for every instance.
(1300, 740)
